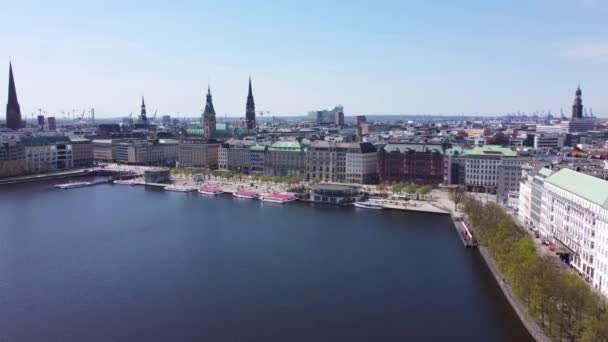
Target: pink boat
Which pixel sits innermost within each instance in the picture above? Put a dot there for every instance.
(209, 191)
(278, 198)
(246, 194)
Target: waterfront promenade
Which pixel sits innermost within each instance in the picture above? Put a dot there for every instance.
(442, 200)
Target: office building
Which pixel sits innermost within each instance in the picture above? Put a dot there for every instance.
(198, 154)
(342, 162)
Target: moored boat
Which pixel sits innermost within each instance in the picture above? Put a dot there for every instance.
(278, 198)
(246, 194)
(180, 188)
(209, 191)
(368, 205)
(73, 185)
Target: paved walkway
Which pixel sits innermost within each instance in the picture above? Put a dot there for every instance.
(442, 200)
(410, 205)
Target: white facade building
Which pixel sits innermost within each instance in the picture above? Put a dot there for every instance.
(481, 168)
(48, 153)
(548, 140)
(573, 217)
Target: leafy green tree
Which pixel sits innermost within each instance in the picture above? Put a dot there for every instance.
(424, 190)
(457, 196)
(410, 189)
(397, 188)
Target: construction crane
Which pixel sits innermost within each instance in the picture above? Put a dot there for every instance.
(154, 116)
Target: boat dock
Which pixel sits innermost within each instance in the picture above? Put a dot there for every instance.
(468, 240)
(81, 184)
(411, 205)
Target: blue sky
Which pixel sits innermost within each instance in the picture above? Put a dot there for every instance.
(373, 57)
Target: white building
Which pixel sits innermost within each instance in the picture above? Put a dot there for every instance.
(234, 155)
(342, 162)
(548, 140)
(508, 179)
(551, 129)
(48, 153)
(573, 216)
(481, 168)
(530, 199)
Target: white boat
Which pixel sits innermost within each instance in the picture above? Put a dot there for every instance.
(210, 191)
(73, 185)
(368, 205)
(246, 194)
(123, 182)
(278, 198)
(180, 188)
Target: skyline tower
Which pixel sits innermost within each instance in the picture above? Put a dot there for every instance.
(143, 118)
(250, 109)
(13, 111)
(577, 107)
(209, 115)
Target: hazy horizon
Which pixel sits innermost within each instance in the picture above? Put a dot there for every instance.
(383, 57)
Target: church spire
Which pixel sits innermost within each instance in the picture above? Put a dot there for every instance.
(13, 111)
(250, 94)
(142, 116)
(577, 107)
(250, 108)
(208, 121)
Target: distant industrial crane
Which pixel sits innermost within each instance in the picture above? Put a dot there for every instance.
(154, 116)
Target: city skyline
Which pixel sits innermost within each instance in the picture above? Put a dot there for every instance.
(425, 60)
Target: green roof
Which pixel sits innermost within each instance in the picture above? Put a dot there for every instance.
(492, 150)
(455, 151)
(221, 131)
(258, 148)
(588, 187)
(545, 172)
(418, 148)
(286, 145)
(168, 141)
(195, 131)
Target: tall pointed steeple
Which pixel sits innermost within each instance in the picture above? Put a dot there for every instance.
(250, 109)
(209, 115)
(577, 107)
(143, 117)
(13, 111)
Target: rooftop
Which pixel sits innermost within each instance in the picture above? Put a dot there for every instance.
(588, 187)
(492, 150)
(418, 148)
(44, 140)
(286, 145)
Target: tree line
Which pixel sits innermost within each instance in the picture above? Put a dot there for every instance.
(410, 189)
(13, 168)
(232, 175)
(556, 297)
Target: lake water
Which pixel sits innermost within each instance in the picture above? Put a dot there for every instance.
(120, 263)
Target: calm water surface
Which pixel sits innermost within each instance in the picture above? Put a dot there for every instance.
(119, 263)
